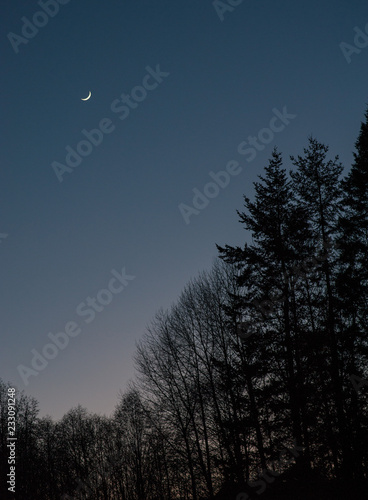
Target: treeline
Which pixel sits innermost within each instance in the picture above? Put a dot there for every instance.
(256, 377)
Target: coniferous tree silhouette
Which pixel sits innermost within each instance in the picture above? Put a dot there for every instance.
(254, 381)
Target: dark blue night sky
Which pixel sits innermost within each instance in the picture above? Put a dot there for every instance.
(179, 90)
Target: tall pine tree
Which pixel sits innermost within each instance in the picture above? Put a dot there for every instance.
(278, 227)
(353, 293)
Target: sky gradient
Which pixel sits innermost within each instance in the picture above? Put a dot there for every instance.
(119, 208)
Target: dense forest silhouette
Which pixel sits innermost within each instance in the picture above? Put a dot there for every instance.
(254, 384)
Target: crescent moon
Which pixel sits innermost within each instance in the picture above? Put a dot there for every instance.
(86, 99)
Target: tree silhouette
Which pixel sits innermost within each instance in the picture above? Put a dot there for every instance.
(253, 383)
